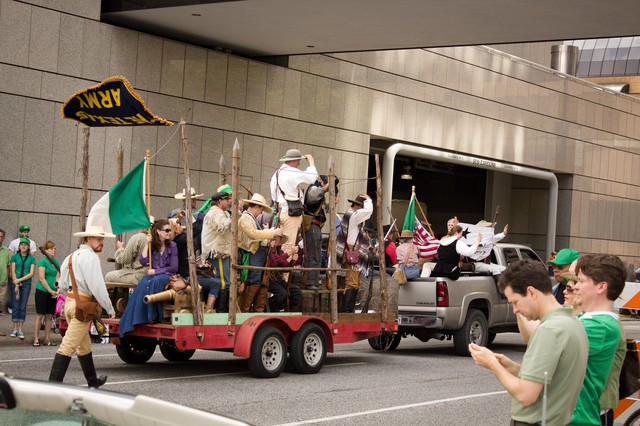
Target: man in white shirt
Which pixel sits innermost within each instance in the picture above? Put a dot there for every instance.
(285, 186)
(86, 275)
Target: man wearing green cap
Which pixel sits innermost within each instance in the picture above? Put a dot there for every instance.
(561, 264)
(23, 233)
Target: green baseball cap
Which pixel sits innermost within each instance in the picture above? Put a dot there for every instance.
(25, 240)
(24, 228)
(566, 256)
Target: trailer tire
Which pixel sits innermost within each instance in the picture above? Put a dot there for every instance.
(268, 355)
(172, 353)
(385, 341)
(136, 350)
(308, 349)
(474, 330)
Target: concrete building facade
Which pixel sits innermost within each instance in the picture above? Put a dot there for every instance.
(475, 101)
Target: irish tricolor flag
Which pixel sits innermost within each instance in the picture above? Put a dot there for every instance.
(123, 209)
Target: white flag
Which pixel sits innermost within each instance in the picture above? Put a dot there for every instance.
(470, 236)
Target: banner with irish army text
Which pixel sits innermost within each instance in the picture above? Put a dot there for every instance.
(113, 102)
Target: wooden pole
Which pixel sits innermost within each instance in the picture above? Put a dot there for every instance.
(233, 287)
(423, 215)
(495, 216)
(333, 276)
(148, 160)
(222, 169)
(384, 298)
(84, 167)
(193, 275)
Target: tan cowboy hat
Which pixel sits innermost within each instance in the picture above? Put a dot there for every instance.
(94, 231)
(259, 200)
(182, 195)
(292, 154)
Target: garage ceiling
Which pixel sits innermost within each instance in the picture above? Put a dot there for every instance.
(285, 27)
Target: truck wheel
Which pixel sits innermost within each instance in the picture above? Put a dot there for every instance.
(136, 350)
(474, 330)
(172, 353)
(308, 349)
(385, 341)
(268, 353)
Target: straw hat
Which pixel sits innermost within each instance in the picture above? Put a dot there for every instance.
(259, 200)
(94, 231)
(182, 195)
(406, 234)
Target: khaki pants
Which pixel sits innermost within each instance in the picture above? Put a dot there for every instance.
(77, 338)
(352, 278)
(290, 226)
(126, 276)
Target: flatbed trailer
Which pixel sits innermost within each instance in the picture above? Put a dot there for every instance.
(265, 340)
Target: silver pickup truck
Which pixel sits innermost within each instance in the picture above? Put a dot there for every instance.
(471, 309)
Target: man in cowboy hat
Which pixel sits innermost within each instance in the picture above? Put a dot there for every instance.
(81, 269)
(23, 233)
(216, 240)
(251, 239)
(350, 238)
(285, 186)
(407, 255)
(180, 212)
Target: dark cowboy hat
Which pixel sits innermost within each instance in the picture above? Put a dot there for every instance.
(359, 200)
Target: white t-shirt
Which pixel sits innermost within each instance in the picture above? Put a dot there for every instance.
(15, 245)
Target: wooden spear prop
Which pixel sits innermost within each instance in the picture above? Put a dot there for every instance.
(222, 170)
(332, 242)
(381, 268)
(84, 167)
(233, 272)
(193, 275)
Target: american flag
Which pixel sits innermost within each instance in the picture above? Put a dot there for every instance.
(426, 243)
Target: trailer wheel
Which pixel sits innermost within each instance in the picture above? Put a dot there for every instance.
(172, 353)
(474, 330)
(268, 353)
(308, 349)
(385, 341)
(136, 350)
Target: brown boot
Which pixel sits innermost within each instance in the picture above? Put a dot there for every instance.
(249, 294)
(211, 300)
(262, 299)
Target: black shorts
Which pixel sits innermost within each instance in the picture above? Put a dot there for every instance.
(45, 304)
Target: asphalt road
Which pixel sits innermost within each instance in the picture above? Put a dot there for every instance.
(418, 384)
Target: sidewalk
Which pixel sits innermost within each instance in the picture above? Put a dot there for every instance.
(6, 325)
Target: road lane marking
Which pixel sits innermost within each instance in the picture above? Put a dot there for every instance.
(396, 408)
(50, 358)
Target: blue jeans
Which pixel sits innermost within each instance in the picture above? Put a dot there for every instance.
(410, 271)
(19, 307)
(257, 259)
(210, 287)
(313, 253)
(223, 276)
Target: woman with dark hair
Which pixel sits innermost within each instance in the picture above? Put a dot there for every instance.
(46, 294)
(449, 252)
(164, 263)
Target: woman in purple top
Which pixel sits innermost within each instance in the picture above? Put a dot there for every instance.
(164, 264)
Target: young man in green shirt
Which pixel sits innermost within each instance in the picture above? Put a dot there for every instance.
(601, 279)
(556, 352)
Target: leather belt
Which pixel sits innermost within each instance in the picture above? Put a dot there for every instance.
(317, 222)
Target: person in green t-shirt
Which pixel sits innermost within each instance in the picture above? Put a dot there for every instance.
(23, 267)
(601, 279)
(556, 355)
(46, 293)
(5, 256)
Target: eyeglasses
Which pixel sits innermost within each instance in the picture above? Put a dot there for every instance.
(166, 230)
(559, 266)
(569, 289)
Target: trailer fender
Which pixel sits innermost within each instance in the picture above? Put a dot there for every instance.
(288, 325)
